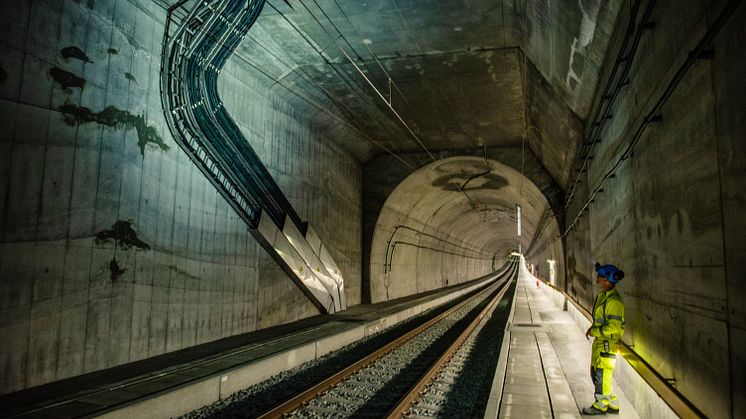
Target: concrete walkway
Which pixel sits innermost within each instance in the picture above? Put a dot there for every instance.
(547, 364)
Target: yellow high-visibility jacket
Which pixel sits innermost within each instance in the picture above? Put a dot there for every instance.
(607, 329)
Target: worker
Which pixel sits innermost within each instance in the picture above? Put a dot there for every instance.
(607, 330)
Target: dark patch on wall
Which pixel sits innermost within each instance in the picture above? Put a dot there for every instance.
(75, 52)
(89, 3)
(115, 270)
(131, 78)
(65, 78)
(123, 235)
(579, 282)
(117, 118)
(176, 269)
(112, 51)
(3, 75)
(679, 221)
(455, 181)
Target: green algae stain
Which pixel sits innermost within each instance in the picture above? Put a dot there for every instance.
(65, 78)
(115, 118)
(123, 234)
(76, 53)
(115, 269)
(131, 78)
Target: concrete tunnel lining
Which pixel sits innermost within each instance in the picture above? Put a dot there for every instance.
(429, 234)
(80, 159)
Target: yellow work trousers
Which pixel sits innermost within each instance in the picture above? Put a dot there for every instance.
(606, 400)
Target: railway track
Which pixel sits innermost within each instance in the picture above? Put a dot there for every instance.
(414, 375)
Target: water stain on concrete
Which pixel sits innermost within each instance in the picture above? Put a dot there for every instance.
(112, 51)
(131, 78)
(456, 181)
(116, 118)
(123, 234)
(76, 53)
(3, 75)
(175, 269)
(66, 79)
(115, 270)
(89, 3)
(679, 222)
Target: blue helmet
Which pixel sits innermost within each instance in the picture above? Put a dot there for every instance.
(610, 272)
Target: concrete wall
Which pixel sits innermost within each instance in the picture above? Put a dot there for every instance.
(114, 247)
(669, 217)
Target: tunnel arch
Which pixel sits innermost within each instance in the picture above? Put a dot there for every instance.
(454, 220)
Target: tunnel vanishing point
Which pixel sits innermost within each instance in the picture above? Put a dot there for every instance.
(178, 172)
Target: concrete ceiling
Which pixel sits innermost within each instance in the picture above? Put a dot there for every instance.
(465, 73)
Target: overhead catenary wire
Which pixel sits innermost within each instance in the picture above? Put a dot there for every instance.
(388, 76)
(390, 80)
(370, 83)
(357, 55)
(372, 54)
(307, 79)
(353, 87)
(319, 106)
(378, 92)
(324, 109)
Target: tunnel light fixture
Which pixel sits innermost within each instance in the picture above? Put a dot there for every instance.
(518, 218)
(552, 269)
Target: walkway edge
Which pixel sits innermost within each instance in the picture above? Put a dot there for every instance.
(644, 395)
(498, 382)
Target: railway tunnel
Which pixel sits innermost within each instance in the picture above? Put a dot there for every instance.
(198, 196)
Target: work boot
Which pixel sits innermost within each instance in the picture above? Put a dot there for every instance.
(592, 410)
(613, 410)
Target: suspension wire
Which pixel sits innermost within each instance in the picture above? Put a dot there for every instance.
(307, 78)
(378, 92)
(342, 36)
(319, 106)
(472, 203)
(352, 86)
(390, 79)
(375, 57)
(392, 82)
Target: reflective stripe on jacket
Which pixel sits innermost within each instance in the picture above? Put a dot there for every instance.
(608, 328)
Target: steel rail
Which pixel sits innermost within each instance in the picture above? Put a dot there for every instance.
(418, 389)
(320, 388)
